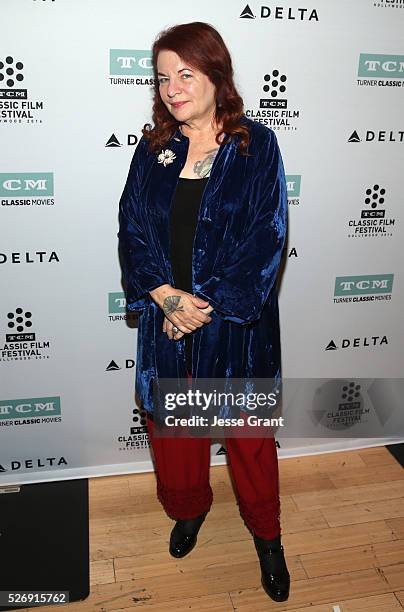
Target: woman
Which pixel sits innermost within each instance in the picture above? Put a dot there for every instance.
(202, 224)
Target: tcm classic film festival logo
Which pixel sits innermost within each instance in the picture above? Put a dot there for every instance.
(137, 438)
(21, 341)
(26, 189)
(390, 4)
(373, 221)
(130, 67)
(339, 406)
(274, 108)
(361, 408)
(15, 105)
(376, 70)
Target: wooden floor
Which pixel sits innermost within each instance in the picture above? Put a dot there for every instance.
(342, 529)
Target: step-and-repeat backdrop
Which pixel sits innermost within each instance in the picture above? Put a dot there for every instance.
(75, 91)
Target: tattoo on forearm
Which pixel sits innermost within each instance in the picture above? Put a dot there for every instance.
(171, 304)
(203, 167)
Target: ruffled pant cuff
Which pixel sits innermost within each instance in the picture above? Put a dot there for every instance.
(185, 504)
(263, 518)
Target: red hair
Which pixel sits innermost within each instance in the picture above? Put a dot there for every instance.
(202, 47)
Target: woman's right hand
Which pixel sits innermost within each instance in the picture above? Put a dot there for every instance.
(168, 326)
(184, 310)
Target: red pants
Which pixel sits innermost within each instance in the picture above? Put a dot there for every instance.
(182, 472)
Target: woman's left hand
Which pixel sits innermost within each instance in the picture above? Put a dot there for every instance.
(168, 326)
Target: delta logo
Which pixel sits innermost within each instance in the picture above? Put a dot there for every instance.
(373, 136)
(114, 142)
(279, 12)
(353, 343)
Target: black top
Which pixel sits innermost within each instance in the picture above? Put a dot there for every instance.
(183, 220)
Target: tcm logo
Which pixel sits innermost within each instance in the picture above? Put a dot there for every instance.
(31, 407)
(363, 285)
(274, 85)
(11, 75)
(293, 182)
(26, 184)
(116, 302)
(130, 62)
(387, 66)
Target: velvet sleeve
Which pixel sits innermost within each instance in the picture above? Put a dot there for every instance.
(240, 285)
(140, 271)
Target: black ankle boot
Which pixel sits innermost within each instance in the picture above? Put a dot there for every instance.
(184, 535)
(275, 577)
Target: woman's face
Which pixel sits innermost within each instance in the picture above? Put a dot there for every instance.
(180, 83)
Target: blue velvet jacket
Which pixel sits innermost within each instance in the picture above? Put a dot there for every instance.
(237, 249)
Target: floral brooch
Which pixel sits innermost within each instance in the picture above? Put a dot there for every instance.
(166, 157)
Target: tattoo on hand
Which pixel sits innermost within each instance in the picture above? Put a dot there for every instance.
(171, 304)
(203, 167)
